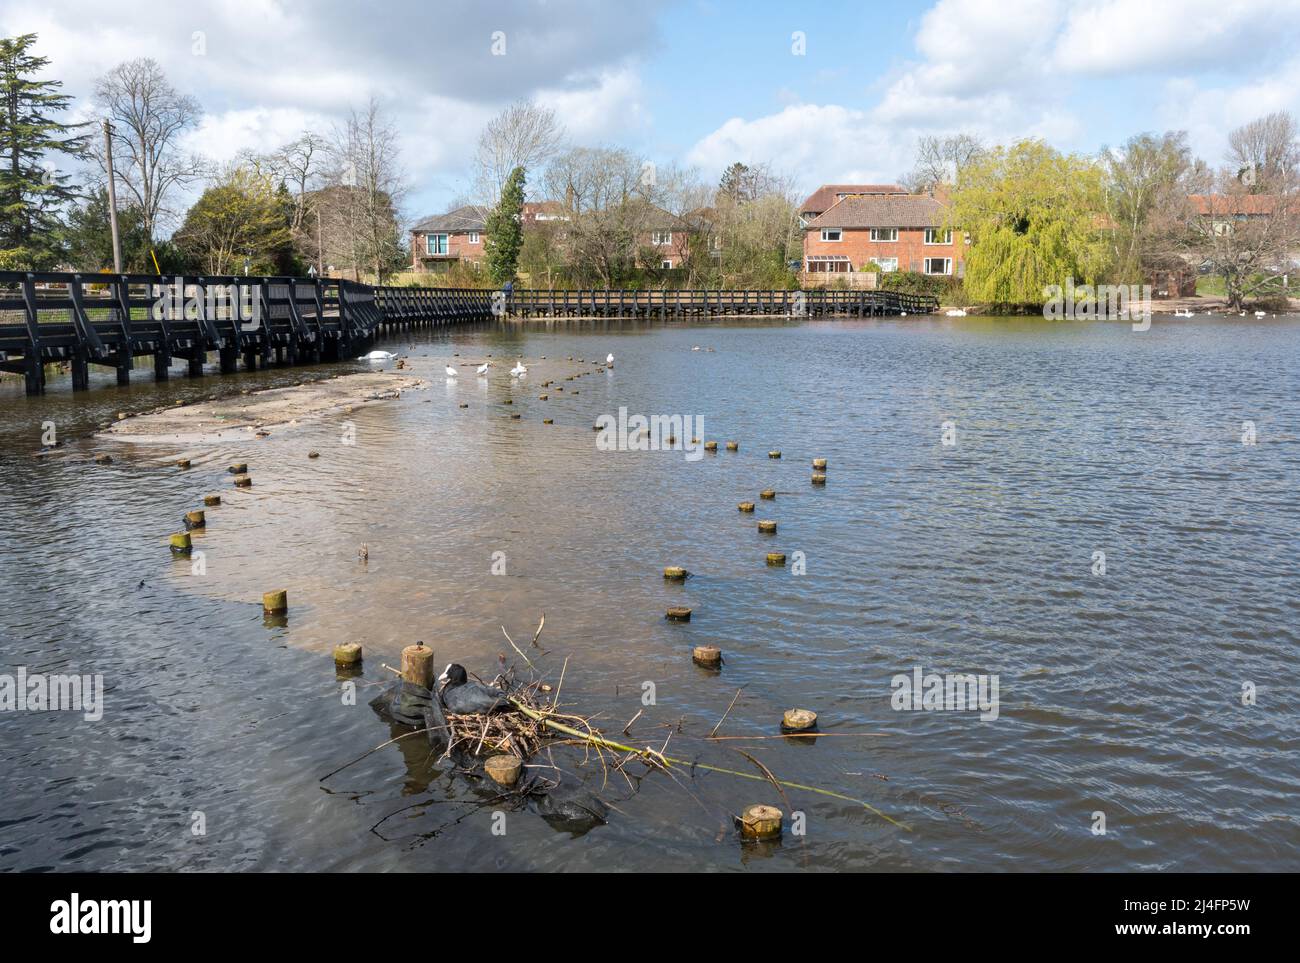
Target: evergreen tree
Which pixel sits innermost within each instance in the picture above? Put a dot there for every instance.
(31, 195)
(505, 230)
(89, 237)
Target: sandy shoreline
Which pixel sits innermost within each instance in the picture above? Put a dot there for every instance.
(268, 411)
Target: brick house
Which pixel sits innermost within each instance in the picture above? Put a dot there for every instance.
(897, 232)
(668, 237)
(439, 241)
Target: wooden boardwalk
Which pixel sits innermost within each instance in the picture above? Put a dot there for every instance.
(109, 320)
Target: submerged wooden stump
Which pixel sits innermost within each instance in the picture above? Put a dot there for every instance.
(103, 459)
(818, 478)
(275, 603)
(313, 454)
(767, 494)
(182, 463)
(819, 464)
(761, 822)
(504, 770)
(733, 446)
(675, 573)
(767, 526)
(195, 519)
(709, 656)
(746, 506)
(548, 421)
(211, 500)
(710, 446)
(238, 468)
(347, 653)
(181, 544)
(678, 613)
(417, 665)
(243, 481)
(798, 720)
(776, 558)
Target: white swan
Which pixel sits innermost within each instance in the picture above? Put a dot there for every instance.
(518, 370)
(451, 372)
(609, 359)
(483, 368)
(1261, 314)
(956, 312)
(377, 356)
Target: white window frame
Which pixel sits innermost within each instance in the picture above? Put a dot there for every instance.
(932, 232)
(947, 266)
(473, 237)
(887, 264)
(666, 264)
(661, 238)
(878, 235)
(428, 244)
(828, 231)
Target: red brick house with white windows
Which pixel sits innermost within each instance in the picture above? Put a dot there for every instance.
(437, 242)
(896, 232)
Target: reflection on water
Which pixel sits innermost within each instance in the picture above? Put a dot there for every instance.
(1120, 693)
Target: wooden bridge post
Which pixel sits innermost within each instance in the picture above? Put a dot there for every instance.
(34, 372)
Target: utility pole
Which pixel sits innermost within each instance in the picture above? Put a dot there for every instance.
(112, 198)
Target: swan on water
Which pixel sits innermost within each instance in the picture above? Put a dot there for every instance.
(451, 372)
(518, 369)
(956, 312)
(377, 356)
(609, 359)
(482, 369)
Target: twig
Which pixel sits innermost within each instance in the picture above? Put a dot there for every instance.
(516, 648)
(369, 751)
(727, 713)
(632, 720)
(538, 634)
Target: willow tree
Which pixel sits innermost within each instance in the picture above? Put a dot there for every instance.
(1035, 217)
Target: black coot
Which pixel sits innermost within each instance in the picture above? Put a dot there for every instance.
(463, 697)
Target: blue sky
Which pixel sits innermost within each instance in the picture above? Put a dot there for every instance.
(696, 82)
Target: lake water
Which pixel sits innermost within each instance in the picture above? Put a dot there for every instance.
(1119, 693)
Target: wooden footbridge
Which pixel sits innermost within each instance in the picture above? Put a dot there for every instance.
(109, 320)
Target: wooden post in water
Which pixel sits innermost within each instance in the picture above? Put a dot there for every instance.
(417, 665)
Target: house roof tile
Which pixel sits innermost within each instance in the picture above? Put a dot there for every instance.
(825, 196)
(909, 210)
(468, 218)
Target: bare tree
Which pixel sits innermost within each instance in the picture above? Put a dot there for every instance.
(1246, 229)
(601, 190)
(522, 135)
(149, 116)
(1266, 152)
(940, 159)
(1147, 183)
(300, 164)
(367, 187)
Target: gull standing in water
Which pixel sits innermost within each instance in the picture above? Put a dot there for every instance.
(609, 359)
(483, 368)
(451, 372)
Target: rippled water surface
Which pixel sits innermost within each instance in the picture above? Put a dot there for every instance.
(1119, 693)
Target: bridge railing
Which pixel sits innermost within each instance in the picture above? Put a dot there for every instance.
(109, 319)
